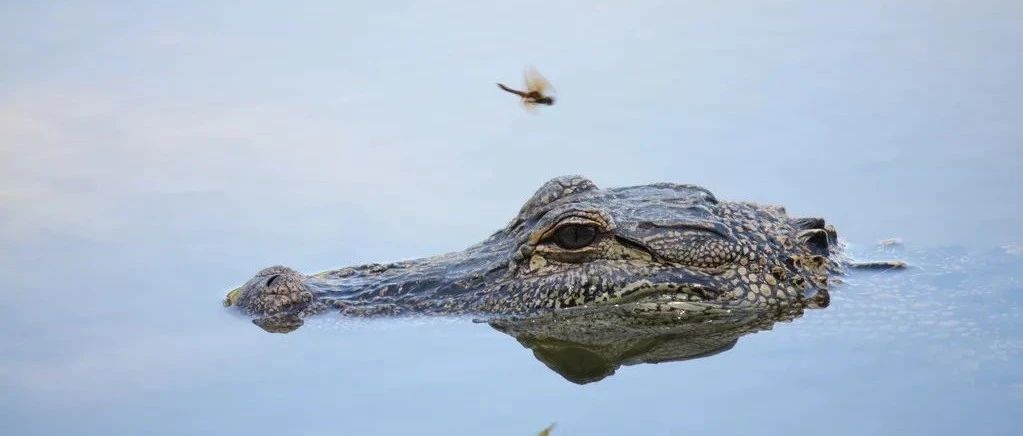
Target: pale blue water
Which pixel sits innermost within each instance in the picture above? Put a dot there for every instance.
(154, 156)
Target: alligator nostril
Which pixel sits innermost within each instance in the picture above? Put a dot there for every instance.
(270, 281)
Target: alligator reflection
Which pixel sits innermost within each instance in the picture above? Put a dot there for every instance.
(587, 347)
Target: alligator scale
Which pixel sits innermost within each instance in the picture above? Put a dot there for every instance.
(660, 248)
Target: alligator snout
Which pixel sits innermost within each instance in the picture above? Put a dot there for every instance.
(273, 291)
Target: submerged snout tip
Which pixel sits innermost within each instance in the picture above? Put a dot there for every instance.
(232, 297)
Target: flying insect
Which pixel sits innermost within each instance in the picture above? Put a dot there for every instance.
(538, 90)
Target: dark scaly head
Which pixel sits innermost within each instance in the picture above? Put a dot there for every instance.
(659, 247)
(662, 247)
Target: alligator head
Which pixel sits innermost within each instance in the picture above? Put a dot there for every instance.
(660, 248)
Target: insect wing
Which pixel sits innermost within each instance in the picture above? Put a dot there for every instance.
(535, 82)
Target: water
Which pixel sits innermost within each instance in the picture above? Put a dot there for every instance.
(154, 156)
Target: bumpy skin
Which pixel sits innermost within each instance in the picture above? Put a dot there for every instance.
(660, 248)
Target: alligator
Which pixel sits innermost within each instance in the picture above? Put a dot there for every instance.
(662, 248)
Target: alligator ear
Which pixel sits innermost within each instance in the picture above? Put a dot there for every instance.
(554, 190)
(816, 240)
(816, 234)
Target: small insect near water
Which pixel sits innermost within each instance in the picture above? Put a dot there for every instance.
(538, 90)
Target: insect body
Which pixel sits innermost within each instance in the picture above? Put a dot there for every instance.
(538, 90)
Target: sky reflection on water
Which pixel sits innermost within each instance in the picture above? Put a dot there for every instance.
(154, 155)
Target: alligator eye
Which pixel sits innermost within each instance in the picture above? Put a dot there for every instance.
(575, 236)
(270, 281)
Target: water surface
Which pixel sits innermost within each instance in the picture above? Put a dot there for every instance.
(154, 156)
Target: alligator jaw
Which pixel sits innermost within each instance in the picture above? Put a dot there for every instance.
(647, 292)
(444, 283)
